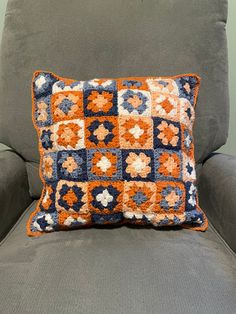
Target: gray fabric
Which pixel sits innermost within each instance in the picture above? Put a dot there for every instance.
(14, 195)
(35, 183)
(121, 270)
(217, 191)
(4, 148)
(87, 39)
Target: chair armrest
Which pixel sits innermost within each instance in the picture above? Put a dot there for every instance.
(14, 189)
(217, 195)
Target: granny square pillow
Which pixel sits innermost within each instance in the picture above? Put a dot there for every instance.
(115, 151)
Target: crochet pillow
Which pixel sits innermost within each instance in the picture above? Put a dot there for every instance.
(115, 151)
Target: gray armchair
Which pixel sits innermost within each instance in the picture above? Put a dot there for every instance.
(124, 269)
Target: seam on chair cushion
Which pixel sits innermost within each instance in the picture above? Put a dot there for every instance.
(228, 248)
(17, 223)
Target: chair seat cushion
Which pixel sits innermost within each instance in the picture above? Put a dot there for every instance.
(120, 270)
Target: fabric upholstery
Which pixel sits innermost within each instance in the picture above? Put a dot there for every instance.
(14, 194)
(35, 183)
(217, 189)
(120, 270)
(136, 38)
(4, 148)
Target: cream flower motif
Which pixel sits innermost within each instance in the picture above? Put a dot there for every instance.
(40, 81)
(136, 131)
(96, 82)
(192, 201)
(192, 198)
(104, 198)
(104, 164)
(48, 219)
(188, 141)
(46, 197)
(187, 113)
(69, 220)
(138, 164)
(189, 169)
(60, 86)
(167, 86)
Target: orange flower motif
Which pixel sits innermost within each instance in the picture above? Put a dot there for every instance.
(169, 165)
(101, 132)
(68, 134)
(168, 133)
(70, 164)
(104, 164)
(167, 105)
(172, 198)
(70, 198)
(42, 111)
(187, 87)
(47, 166)
(138, 165)
(100, 101)
(135, 101)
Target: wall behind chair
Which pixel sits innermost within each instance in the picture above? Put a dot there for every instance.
(230, 147)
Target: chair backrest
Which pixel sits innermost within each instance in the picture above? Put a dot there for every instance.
(104, 38)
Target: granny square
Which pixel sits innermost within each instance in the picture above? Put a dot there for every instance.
(67, 105)
(138, 164)
(100, 102)
(102, 132)
(134, 102)
(166, 134)
(72, 165)
(104, 164)
(136, 132)
(115, 151)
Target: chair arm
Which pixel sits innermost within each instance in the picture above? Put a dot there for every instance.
(217, 195)
(14, 189)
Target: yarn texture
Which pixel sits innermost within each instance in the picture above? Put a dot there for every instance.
(115, 151)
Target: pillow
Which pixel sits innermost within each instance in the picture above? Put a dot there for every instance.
(115, 151)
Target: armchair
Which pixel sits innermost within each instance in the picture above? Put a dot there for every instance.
(124, 269)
